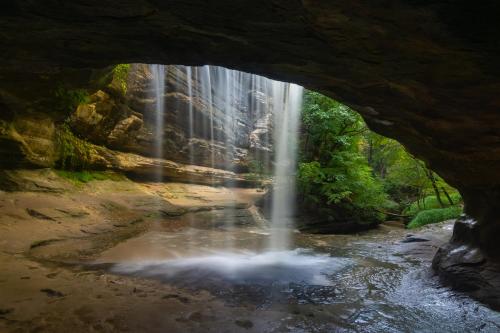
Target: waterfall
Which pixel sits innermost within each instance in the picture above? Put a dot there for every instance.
(189, 83)
(207, 96)
(287, 101)
(217, 97)
(158, 85)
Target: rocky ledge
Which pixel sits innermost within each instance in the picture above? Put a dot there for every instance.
(146, 168)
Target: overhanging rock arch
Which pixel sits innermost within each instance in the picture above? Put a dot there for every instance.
(424, 72)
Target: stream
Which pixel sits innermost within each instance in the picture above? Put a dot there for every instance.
(371, 282)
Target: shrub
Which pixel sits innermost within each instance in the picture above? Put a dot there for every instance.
(431, 202)
(434, 216)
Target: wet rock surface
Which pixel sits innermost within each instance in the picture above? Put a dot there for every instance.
(413, 239)
(368, 283)
(464, 266)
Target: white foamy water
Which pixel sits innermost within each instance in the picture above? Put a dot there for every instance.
(282, 267)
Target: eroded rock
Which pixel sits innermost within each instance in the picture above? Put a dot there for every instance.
(463, 265)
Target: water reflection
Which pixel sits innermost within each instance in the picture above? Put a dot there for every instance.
(363, 283)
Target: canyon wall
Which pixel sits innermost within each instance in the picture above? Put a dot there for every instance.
(128, 124)
(115, 127)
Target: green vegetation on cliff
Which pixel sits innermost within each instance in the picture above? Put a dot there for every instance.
(67, 100)
(120, 74)
(87, 176)
(74, 153)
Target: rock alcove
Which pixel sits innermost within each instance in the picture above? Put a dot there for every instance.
(426, 73)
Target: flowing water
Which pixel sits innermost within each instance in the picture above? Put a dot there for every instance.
(325, 283)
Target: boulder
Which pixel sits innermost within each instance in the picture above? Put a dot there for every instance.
(463, 265)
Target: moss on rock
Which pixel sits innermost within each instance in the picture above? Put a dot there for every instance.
(74, 153)
(120, 75)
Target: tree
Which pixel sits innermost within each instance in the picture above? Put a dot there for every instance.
(334, 174)
(348, 172)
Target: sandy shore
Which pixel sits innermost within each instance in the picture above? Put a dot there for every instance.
(46, 232)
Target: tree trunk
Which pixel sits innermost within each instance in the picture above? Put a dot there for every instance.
(434, 186)
(306, 145)
(370, 153)
(447, 196)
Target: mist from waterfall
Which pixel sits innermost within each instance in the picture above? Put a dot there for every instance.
(215, 95)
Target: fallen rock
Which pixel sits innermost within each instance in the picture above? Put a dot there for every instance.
(413, 239)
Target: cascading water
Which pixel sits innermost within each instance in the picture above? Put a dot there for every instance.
(207, 95)
(189, 83)
(220, 94)
(158, 87)
(287, 101)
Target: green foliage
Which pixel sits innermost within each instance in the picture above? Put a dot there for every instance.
(120, 73)
(430, 202)
(74, 153)
(403, 176)
(257, 172)
(346, 169)
(87, 176)
(347, 178)
(329, 126)
(434, 216)
(406, 179)
(67, 100)
(256, 167)
(334, 173)
(252, 177)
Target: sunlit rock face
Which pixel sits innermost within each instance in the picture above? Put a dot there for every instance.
(423, 72)
(227, 132)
